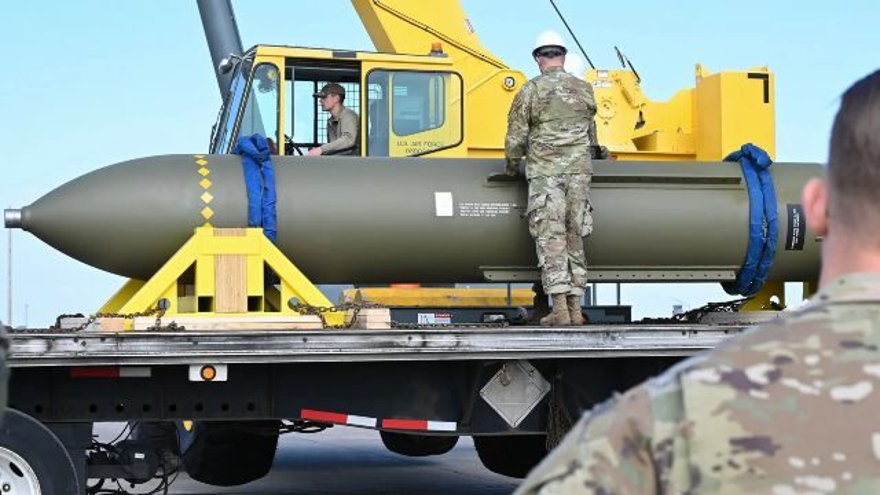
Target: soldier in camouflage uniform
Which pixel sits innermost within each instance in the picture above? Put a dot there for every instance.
(551, 124)
(790, 407)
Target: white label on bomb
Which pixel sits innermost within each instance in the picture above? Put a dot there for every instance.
(443, 204)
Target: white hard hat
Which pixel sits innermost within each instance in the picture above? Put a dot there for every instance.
(549, 38)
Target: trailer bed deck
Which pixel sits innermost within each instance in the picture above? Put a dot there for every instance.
(35, 348)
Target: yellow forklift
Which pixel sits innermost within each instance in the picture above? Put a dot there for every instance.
(432, 89)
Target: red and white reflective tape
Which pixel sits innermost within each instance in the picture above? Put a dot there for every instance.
(368, 422)
(418, 425)
(338, 418)
(111, 372)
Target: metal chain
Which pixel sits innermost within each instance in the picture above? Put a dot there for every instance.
(354, 307)
(304, 309)
(442, 326)
(697, 314)
(158, 312)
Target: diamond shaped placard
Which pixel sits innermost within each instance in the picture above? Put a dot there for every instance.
(515, 390)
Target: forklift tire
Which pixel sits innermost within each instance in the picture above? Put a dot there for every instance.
(417, 445)
(229, 453)
(33, 459)
(511, 455)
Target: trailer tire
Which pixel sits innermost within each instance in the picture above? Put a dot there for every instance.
(417, 445)
(229, 453)
(511, 455)
(32, 459)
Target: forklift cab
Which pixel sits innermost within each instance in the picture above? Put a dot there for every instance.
(407, 105)
(305, 120)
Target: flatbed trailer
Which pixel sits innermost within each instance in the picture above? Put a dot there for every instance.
(422, 388)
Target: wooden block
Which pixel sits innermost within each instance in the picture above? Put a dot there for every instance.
(440, 296)
(373, 312)
(106, 324)
(230, 277)
(111, 324)
(373, 319)
(372, 315)
(372, 326)
(71, 322)
(307, 322)
(370, 318)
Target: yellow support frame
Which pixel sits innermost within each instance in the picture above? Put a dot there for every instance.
(763, 300)
(201, 252)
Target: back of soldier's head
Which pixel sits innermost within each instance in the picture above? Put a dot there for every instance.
(854, 157)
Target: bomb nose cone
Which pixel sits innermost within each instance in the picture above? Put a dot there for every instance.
(12, 219)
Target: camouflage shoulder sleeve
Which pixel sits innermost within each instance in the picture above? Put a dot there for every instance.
(618, 447)
(516, 141)
(591, 132)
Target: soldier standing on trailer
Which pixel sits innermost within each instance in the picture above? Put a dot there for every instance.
(551, 124)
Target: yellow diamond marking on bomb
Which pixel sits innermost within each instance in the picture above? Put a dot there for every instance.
(205, 183)
(202, 162)
(204, 171)
(207, 197)
(207, 212)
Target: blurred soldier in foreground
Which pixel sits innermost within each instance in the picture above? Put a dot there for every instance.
(551, 124)
(791, 407)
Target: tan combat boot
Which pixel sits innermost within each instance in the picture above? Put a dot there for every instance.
(559, 316)
(574, 310)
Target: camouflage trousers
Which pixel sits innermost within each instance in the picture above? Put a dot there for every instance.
(559, 212)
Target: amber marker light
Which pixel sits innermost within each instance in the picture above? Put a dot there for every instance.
(208, 373)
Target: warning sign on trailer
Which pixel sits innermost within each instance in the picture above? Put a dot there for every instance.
(435, 318)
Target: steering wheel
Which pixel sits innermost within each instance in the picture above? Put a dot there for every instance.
(291, 147)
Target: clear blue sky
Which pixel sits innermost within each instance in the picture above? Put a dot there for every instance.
(90, 83)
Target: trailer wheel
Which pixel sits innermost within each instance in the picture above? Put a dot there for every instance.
(229, 453)
(511, 455)
(33, 461)
(417, 445)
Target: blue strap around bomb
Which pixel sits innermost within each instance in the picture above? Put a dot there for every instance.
(763, 220)
(259, 180)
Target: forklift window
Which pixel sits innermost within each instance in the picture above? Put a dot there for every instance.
(424, 109)
(306, 120)
(377, 114)
(418, 102)
(229, 113)
(301, 116)
(261, 113)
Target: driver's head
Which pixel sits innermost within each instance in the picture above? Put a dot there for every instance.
(331, 94)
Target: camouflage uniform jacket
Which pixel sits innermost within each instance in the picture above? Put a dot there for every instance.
(788, 408)
(551, 123)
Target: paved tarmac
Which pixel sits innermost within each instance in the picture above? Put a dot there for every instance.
(345, 460)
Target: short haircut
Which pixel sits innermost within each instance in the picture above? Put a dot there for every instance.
(854, 156)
